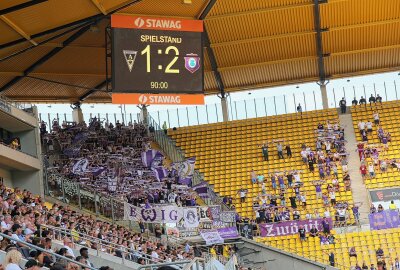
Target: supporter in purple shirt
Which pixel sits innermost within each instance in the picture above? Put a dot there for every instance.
(318, 191)
(281, 182)
(325, 226)
(273, 181)
(321, 172)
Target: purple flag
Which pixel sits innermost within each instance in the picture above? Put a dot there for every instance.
(160, 172)
(185, 170)
(384, 220)
(290, 227)
(149, 156)
(97, 170)
(72, 152)
(201, 189)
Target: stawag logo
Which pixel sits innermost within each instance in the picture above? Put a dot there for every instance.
(165, 99)
(142, 99)
(139, 22)
(157, 23)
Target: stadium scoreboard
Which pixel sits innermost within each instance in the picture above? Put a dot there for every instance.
(156, 55)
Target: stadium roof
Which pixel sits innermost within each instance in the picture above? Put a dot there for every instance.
(252, 44)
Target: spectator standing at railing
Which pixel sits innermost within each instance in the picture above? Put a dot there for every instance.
(342, 104)
(372, 99)
(299, 109)
(85, 254)
(354, 102)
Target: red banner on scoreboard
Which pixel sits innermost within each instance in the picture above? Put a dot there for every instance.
(169, 24)
(158, 99)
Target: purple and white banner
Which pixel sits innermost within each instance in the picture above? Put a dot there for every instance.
(160, 172)
(291, 227)
(227, 216)
(229, 232)
(164, 214)
(384, 220)
(201, 189)
(149, 156)
(185, 170)
(212, 237)
(190, 216)
(80, 166)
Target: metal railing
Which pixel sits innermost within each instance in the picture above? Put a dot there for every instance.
(177, 265)
(312, 256)
(309, 100)
(81, 196)
(126, 252)
(17, 149)
(6, 103)
(13, 240)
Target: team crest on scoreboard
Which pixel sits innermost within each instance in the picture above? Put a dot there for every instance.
(130, 57)
(192, 62)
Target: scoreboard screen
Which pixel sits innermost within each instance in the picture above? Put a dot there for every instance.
(156, 55)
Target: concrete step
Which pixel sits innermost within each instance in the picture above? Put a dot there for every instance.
(358, 188)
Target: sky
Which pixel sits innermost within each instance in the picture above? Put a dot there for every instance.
(241, 105)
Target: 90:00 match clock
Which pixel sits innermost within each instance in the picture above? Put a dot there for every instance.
(156, 55)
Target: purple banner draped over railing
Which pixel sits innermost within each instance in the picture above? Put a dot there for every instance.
(201, 189)
(229, 232)
(384, 220)
(291, 227)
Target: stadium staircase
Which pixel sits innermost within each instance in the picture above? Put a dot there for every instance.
(359, 191)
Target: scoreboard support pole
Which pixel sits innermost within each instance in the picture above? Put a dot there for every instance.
(324, 95)
(224, 107)
(77, 115)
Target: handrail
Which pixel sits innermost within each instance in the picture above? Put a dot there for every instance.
(19, 150)
(100, 242)
(292, 251)
(154, 266)
(13, 103)
(195, 261)
(84, 266)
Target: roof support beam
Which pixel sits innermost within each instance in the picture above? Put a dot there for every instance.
(207, 9)
(46, 57)
(21, 6)
(17, 29)
(75, 23)
(92, 91)
(99, 6)
(318, 39)
(214, 65)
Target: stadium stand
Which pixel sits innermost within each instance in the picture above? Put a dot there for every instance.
(384, 157)
(365, 243)
(227, 153)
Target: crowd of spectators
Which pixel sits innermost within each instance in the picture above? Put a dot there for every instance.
(111, 163)
(25, 217)
(287, 200)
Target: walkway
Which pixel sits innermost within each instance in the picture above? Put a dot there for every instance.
(359, 191)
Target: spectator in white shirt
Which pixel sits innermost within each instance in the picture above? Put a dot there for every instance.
(361, 126)
(6, 223)
(369, 126)
(376, 118)
(67, 245)
(371, 170)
